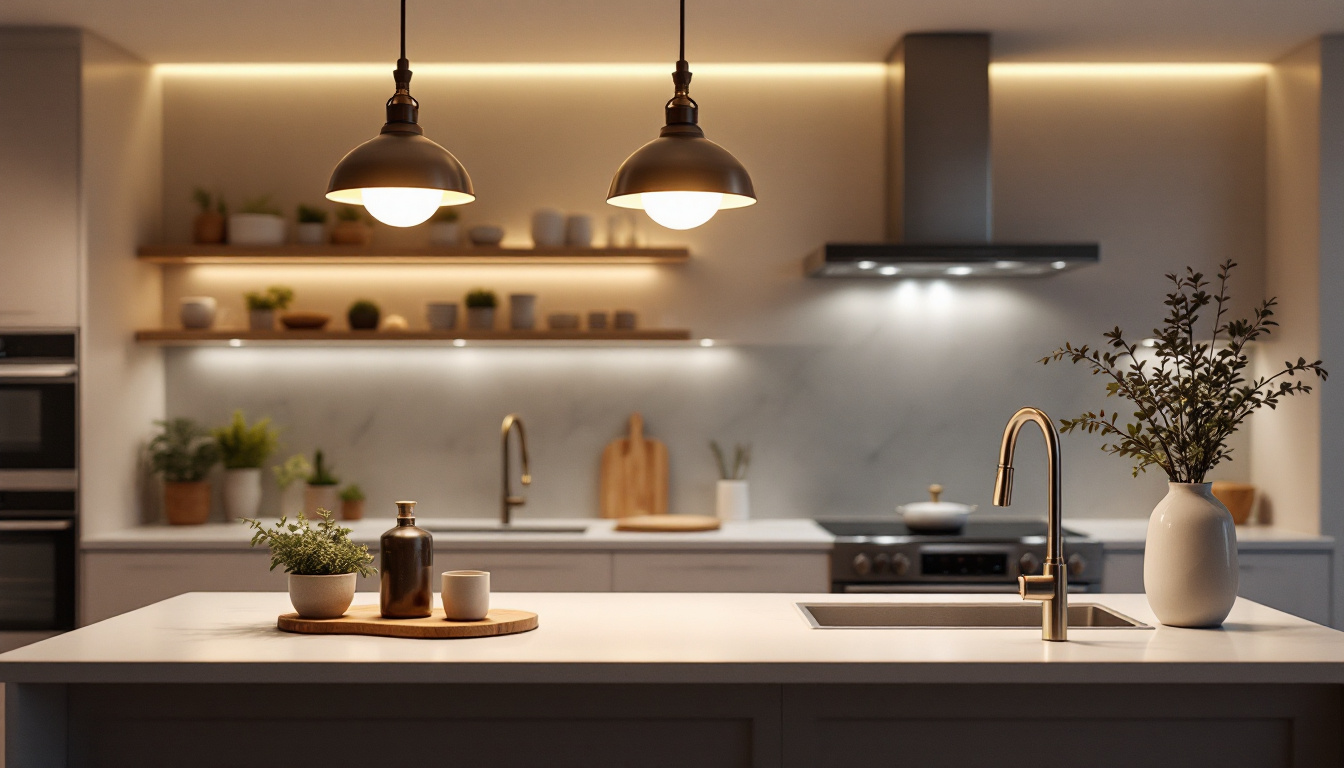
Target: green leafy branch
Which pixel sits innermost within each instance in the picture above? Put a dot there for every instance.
(306, 551)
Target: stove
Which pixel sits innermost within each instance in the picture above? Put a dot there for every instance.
(879, 555)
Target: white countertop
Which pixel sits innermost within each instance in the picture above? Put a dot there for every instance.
(675, 638)
(785, 534)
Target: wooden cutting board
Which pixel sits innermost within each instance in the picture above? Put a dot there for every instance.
(668, 523)
(365, 620)
(634, 474)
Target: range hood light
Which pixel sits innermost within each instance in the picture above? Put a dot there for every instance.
(889, 271)
(1058, 264)
(867, 264)
(1007, 265)
(959, 271)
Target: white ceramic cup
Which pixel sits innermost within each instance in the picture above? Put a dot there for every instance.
(579, 230)
(442, 315)
(548, 228)
(466, 595)
(197, 311)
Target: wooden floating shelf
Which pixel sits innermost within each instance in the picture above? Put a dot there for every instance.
(187, 338)
(183, 255)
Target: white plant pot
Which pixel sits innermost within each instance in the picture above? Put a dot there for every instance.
(481, 318)
(522, 311)
(310, 233)
(444, 233)
(322, 597)
(1190, 559)
(317, 497)
(291, 499)
(548, 228)
(261, 319)
(732, 500)
(256, 229)
(242, 493)
(197, 312)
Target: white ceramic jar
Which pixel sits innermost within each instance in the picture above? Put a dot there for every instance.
(197, 312)
(522, 311)
(242, 493)
(1190, 558)
(579, 231)
(548, 228)
(733, 501)
(256, 229)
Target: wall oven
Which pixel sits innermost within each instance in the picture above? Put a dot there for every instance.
(37, 561)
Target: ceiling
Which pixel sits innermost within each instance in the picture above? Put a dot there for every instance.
(720, 31)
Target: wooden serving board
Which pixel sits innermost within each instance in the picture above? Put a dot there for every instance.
(668, 523)
(634, 474)
(365, 620)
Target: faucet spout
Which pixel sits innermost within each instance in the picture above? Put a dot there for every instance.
(507, 500)
(1051, 585)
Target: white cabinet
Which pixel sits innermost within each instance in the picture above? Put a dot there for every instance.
(39, 187)
(721, 572)
(117, 582)
(533, 571)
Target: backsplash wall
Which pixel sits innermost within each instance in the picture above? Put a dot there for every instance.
(855, 395)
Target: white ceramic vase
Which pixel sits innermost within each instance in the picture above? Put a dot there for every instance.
(317, 497)
(242, 493)
(261, 319)
(256, 229)
(548, 228)
(1190, 559)
(197, 312)
(732, 500)
(522, 311)
(322, 597)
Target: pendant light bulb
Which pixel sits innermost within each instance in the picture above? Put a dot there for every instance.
(681, 179)
(402, 206)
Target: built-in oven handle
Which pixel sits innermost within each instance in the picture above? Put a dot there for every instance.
(12, 526)
(51, 371)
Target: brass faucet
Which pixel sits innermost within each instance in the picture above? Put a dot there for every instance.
(508, 501)
(1051, 587)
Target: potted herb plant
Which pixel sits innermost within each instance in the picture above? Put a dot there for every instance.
(208, 226)
(321, 490)
(258, 223)
(243, 449)
(443, 228)
(732, 501)
(351, 228)
(311, 228)
(323, 564)
(352, 502)
(1188, 397)
(287, 476)
(363, 316)
(481, 305)
(182, 454)
(262, 306)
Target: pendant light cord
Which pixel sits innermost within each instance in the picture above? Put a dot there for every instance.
(682, 50)
(403, 28)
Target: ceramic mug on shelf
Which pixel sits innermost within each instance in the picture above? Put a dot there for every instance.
(442, 315)
(197, 312)
(597, 321)
(579, 231)
(465, 595)
(548, 228)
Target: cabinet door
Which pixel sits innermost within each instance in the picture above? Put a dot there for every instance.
(1293, 582)
(117, 582)
(39, 185)
(1122, 572)
(721, 572)
(532, 571)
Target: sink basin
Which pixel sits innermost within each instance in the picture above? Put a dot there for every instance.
(956, 616)
(506, 529)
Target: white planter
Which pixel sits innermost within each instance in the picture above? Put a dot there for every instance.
(1190, 559)
(322, 597)
(261, 319)
(242, 493)
(291, 499)
(444, 233)
(197, 312)
(317, 497)
(522, 311)
(256, 229)
(310, 233)
(548, 228)
(481, 318)
(732, 500)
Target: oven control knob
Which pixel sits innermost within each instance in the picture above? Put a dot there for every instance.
(900, 564)
(1029, 563)
(881, 561)
(1076, 564)
(862, 564)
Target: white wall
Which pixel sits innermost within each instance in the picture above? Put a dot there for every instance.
(856, 396)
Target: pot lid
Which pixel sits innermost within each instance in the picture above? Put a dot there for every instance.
(934, 505)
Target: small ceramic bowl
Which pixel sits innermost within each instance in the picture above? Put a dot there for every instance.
(486, 234)
(305, 321)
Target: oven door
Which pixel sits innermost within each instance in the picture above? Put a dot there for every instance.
(37, 561)
(37, 419)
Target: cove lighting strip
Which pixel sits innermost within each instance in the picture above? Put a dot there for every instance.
(1128, 70)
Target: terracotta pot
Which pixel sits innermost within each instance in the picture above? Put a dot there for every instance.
(208, 228)
(317, 497)
(352, 510)
(1190, 558)
(1239, 498)
(351, 233)
(186, 503)
(322, 597)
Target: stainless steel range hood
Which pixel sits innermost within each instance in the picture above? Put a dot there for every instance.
(939, 198)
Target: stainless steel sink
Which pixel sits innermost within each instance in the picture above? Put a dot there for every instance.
(507, 529)
(956, 616)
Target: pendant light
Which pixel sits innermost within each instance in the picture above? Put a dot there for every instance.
(400, 176)
(681, 179)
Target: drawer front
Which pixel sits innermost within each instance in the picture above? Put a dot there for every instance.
(721, 572)
(533, 571)
(1294, 582)
(117, 582)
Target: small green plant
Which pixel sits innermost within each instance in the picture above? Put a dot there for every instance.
(204, 199)
(292, 470)
(481, 298)
(183, 451)
(446, 215)
(365, 306)
(363, 315)
(261, 205)
(275, 297)
(321, 472)
(352, 492)
(1190, 401)
(741, 461)
(306, 551)
(307, 214)
(349, 213)
(244, 447)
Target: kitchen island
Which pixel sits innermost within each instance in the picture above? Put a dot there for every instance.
(674, 679)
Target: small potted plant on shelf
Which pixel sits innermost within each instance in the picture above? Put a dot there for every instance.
(363, 316)
(258, 223)
(1187, 393)
(481, 305)
(208, 228)
(243, 449)
(261, 306)
(352, 502)
(351, 227)
(311, 228)
(443, 230)
(182, 454)
(323, 564)
(321, 490)
(287, 476)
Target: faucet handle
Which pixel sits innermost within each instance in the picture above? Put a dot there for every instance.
(1038, 587)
